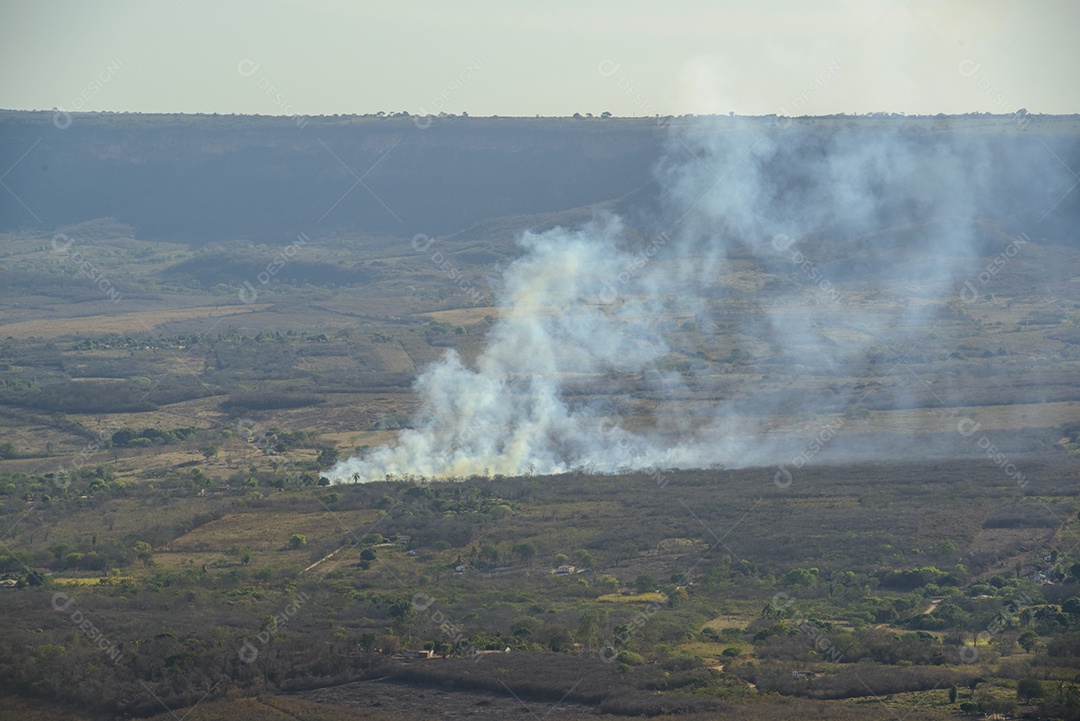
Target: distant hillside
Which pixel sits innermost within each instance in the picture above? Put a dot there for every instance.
(199, 178)
(204, 178)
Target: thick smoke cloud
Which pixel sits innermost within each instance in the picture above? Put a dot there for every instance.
(600, 327)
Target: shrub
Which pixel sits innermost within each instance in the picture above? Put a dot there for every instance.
(1028, 689)
(799, 577)
(645, 583)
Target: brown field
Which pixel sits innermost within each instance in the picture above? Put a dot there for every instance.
(351, 439)
(138, 321)
(729, 621)
(198, 413)
(464, 316)
(394, 358)
(270, 531)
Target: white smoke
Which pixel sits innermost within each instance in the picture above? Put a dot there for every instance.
(602, 325)
(509, 415)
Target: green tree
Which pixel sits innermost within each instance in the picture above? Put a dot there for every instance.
(1028, 689)
(645, 583)
(590, 633)
(798, 577)
(525, 551)
(297, 540)
(144, 552)
(945, 546)
(489, 553)
(59, 550)
(584, 558)
(200, 480)
(208, 451)
(327, 457)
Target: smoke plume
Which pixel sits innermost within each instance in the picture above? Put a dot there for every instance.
(783, 262)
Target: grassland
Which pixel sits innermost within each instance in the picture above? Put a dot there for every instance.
(180, 537)
(162, 514)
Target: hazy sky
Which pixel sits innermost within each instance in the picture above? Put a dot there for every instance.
(548, 57)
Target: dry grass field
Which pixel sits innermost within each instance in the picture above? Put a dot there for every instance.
(161, 461)
(122, 323)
